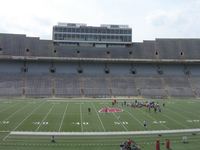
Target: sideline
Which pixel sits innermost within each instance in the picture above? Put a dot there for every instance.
(107, 133)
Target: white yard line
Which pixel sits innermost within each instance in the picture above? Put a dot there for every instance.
(23, 120)
(185, 118)
(134, 118)
(18, 110)
(119, 121)
(99, 117)
(45, 117)
(181, 124)
(63, 118)
(81, 118)
(190, 112)
(8, 107)
(154, 119)
(28, 116)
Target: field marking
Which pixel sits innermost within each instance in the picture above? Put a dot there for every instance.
(81, 118)
(118, 120)
(99, 117)
(5, 102)
(191, 102)
(23, 120)
(123, 122)
(193, 121)
(148, 115)
(28, 115)
(197, 130)
(177, 122)
(160, 122)
(189, 112)
(43, 123)
(8, 107)
(63, 118)
(134, 117)
(185, 118)
(45, 117)
(170, 110)
(18, 110)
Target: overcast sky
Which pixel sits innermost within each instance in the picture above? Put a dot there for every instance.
(149, 19)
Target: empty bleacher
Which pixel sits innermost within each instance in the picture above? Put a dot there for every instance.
(195, 84)
(95, 86)
(151, 86)
(11, 85)
(178, 86)
(123, 86)
(38, 86)
(67, 86)
(32, 67)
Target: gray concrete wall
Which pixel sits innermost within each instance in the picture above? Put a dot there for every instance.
(20, 45)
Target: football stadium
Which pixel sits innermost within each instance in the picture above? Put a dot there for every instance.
(93, 88)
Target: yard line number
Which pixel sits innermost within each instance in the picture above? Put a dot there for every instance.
(78, 123)
(4, 122)
(42, 123)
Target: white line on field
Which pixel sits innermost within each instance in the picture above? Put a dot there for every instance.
(81, 118)
(63, 117)
(148, 115)
(23, 120)
(99, 117)
(189, 112)
(45, 117)
(181, 124)
(28, 116)
(177, 114)
(134, 118)
(8, 107)
(119, 121)
(18, 110)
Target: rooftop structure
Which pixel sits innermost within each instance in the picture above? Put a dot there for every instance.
(106, 34)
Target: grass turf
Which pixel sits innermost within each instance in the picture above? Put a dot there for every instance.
(68, 116)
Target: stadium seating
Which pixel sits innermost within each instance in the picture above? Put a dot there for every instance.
(67, 86)
(37, 86)
(11, 85)
(34, 68)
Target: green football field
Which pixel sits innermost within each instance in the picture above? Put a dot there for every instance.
(43, 115)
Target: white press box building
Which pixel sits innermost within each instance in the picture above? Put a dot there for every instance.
(73, 33)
